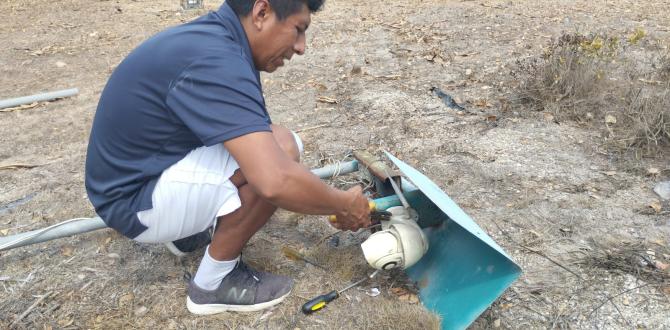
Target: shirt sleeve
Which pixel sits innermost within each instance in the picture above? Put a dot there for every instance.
(219, 98)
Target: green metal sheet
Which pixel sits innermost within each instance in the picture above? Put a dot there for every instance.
(464, 270)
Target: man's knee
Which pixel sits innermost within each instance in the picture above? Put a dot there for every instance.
(288, 141)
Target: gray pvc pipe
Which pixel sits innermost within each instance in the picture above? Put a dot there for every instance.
(91, 224)
(336, 169)
(8, 103)
(64, 230)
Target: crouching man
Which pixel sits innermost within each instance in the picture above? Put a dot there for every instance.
(182, 142)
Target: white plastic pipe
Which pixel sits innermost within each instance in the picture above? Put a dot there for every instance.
(9, 103)
(84, 225)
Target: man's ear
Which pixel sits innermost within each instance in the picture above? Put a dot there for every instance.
(260, 13)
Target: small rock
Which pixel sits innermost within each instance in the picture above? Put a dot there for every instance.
(141, 311)
(663, 190)
(61, 64)
(496, 323)
(373, 292)
(609, 119)
(468, 72)
(449, 120)
(653, 171)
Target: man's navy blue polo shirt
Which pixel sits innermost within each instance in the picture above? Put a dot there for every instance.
(188, 86)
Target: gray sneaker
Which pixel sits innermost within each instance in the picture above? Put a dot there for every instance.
(186, 245)
(242, 290)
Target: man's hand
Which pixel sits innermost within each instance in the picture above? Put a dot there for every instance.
(356, 213)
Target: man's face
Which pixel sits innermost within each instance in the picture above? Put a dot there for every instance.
(280, 40)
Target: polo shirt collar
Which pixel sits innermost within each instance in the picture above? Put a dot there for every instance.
(235, 26)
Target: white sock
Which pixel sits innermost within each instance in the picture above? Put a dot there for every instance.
(211, 272)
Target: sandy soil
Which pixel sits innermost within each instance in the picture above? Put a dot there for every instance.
(544, 190)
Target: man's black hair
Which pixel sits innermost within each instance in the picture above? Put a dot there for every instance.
(283, 8)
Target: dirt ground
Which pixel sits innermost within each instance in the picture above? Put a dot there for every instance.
(544, 190)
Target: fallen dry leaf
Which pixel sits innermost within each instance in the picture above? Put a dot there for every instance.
(126, 299)
(405, 295)
(325, 99)
(661, 265)
(548, 117)
(67, 251)
(65, 322)
(656, 205)
(4, 232)
(399, 291)
(483, 103)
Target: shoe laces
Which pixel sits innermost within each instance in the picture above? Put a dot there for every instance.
(256, 275)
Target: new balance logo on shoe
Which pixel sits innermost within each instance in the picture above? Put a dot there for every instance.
(233, 296)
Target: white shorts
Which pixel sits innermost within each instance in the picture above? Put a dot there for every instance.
(191, 194)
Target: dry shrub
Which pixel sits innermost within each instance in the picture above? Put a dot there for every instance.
(663, 68)
(595, 79)
(570, 79)
(646, 125)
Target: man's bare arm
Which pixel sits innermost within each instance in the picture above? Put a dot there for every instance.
(289, 185)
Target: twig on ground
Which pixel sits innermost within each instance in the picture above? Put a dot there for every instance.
(541, 254)
(534, 311)
(30, 309)
(616, 295)
(620, 313)
(311, 128)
